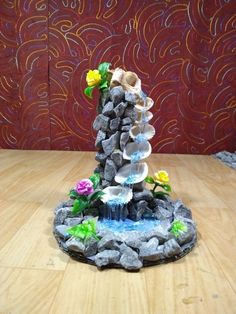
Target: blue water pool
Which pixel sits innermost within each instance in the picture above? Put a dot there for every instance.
(128, 225)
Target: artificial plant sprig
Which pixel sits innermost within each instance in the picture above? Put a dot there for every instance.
(85, 193)
(178, 227)
(160, 179)
(97, 78)
(85, 230)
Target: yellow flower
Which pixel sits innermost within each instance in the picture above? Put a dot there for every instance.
(161, 177)
(93, 77)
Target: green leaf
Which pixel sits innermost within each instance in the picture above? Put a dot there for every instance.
(92, 223)
(149, 179)
(103, 85)
(88, 91)
(96, 195)
(166, 187)
(79, 205)
(160, 194)
(73, 194)
(103, 68)
(95, 178)
(77, 232)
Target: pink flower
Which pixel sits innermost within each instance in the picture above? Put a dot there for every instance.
(84, 187)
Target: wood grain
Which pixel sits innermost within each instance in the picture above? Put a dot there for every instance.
(36, 277)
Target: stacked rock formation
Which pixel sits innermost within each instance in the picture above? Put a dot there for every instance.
(116, 117)
(122, 141)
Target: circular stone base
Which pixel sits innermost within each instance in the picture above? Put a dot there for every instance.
(133, 249)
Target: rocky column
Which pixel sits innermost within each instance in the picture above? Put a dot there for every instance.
(115, 119)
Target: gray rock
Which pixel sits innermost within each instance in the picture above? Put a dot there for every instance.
(124, 248)
(141, 207)
(177, 204)
(100, 157)
(68, 203)
(111, 143)
(181, 211)
(127, 236)
(114, 124)
(171, 248)
(168, 204)
(139, 187)
(126, 121)
(75, 245)
(110, 241)
(117, 94)
(101, 175)
(117, 157)
(143, 195)
(131, 113)
(132, 210)
(99, 169)
(110, 170)
(148, 248)
(101, 122)
(134, 243)
(136, 210)
(61, 215)
(124, 137)
(108, 109)
(120, 109)
(69, 222)
(105, 183)
(59, 207)
(88, 217)
(103, 232)
(61, 231)
(130, 98)
(91, 246)
(162, 214)
(160, 233)
(148, 214)
(227, 158)
(129, 258)
(155, 256)
(126, 128)
(107, 257)
(100, 137)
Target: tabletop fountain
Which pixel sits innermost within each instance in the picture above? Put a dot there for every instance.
(112, 219)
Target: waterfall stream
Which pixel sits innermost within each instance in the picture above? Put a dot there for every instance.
(117, 206)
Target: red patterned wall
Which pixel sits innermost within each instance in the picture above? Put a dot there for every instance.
(183, 51)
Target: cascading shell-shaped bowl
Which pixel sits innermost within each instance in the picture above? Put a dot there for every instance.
(118, 194)
(132, 173)
(144, 117)
(127, 79)
(146, 130)
(144, 105)
(137, 151)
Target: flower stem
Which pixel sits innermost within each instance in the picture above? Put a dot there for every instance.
(155, 186)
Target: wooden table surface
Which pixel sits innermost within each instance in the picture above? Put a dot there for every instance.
(36, 277)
